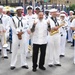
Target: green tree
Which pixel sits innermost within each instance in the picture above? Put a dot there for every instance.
(72, 7)
(45, 0)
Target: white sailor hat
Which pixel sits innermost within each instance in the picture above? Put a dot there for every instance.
(29, 7)
(47, 10)
(1, 7)
(19, 7)
(62, 11)
(71, 11)
(4, 9)
(53, 10)
(37, 7)
(58, 13)
(62, 15)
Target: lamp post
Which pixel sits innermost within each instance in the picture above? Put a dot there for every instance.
(6, 2)
(19, 2)
(24, 6)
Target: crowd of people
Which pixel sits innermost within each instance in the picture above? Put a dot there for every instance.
(36, 32)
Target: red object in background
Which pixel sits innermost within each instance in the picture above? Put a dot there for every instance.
(23, 12)
(66, 14)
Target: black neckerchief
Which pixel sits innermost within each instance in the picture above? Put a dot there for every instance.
(1, 19)
(46, 17)
(55, 21)
(20, 20)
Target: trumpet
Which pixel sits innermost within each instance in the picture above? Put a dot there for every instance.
(5, 45)
(2, 33)
(52, 32)
(73, 36)
(73, 17)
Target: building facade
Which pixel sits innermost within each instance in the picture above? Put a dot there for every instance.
(19, 2)
(65, 2)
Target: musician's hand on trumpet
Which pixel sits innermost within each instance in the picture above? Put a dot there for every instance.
(56, 28)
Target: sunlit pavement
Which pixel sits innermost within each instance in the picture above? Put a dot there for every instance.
(67, 68)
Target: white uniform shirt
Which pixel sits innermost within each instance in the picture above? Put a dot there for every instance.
(36, 16)
(73, 24)
(30, 19)
(52, 24)
(69, 23)
(63, 28)
(40, 33)
(5, 22)
(19, 28)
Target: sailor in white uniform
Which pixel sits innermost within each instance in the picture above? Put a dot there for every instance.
(73, 28)
(54, 42)
(30, 19)
(69, 23)
(37, 10)
(4, 22)
(18, 25)
(63, 32)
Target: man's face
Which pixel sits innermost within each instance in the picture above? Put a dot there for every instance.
(62, 17)
(1, 10)
(19, 11)
(37, 11)
(71, 13)
(29, 11)
(54, 14)
(47, 13)
(40, 15)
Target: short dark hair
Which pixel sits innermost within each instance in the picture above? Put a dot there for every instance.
(37, 9)
(41, 12)
(29, 8)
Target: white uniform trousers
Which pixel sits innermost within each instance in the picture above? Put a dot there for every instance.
(26, 46)
(4, 50)
(15, 46)
(70, 35)
(54, 49)
(0, 45)
(28, 52)
(63, 44)
(74, 52)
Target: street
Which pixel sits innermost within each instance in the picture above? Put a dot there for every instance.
(67, 68)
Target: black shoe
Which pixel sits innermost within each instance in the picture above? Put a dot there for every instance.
(5, 57)
(34, 69)
(8, 50)
(25, 67)
(62, 56)
(42, 68)
(0, 53)
(50, 65)
(68, 41)
(72, 45)
(57, 64)
(12, 68)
